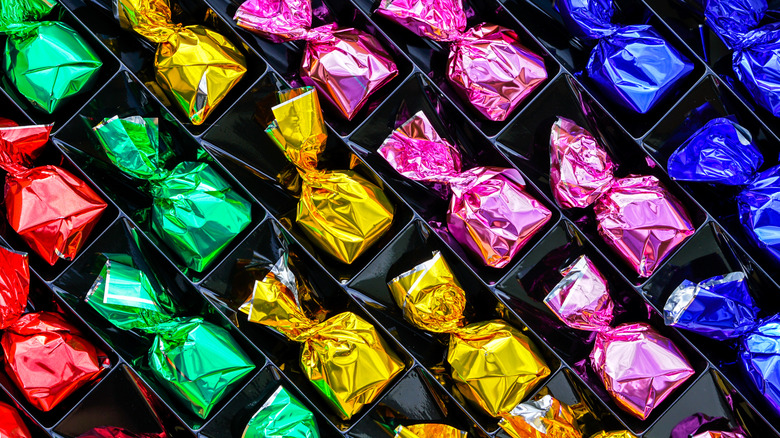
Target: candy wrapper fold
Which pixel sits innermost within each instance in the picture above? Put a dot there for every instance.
(581, 300)
(542, 418)
(488, 66)
(51, 209)
(14, 286)
(490, 212)
(194, 360)
(194, 65)
(340, 211)
(118, 432)
(47, 61)
(494, 365)
(345, 65)
(282, 415)
(429, 430)
(632, 65)
(636, 215)
(722, 308)
(703, 426)
(11, 423)
(195, 211)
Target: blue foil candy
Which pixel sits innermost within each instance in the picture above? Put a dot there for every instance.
(632, 65)
(759, 210)
(721, 308)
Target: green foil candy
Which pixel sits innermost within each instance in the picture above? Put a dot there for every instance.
(282, 415)
(195, 211)
(47, 62)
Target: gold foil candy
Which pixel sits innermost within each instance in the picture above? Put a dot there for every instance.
(542, 418)
(429, 430)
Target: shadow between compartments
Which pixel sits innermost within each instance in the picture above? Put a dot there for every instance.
(526, 287)
(413, 246)
(137, 54)
(526, 142)
(431, 57)
(123, 96)
(240, 143)
(123, 237)
(230, 285)
(541, 19)
(431, 201)
(285, 58)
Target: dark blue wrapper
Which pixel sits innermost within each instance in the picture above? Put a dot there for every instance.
(756, 57)
(633, 65)
(759, 210)
(721, 308)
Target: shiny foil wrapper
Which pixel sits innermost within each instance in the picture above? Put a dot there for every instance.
(340, 211)
(543, 418)
(48, 62)
(51, 209)
(494, 366)
(345, 65)
(621, 434)
(195, 211)
(759, 211)
(196, 66)
(490, 213)
(14, 286)
(703, 426)
(581, 300)
(344, 356)
(118, 432)
(488, 66)
(718, 434)
(632, 65)
(429, 430)
(11, 423)
(282, 415)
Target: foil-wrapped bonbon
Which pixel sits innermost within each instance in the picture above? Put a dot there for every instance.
(634, 66)
(11, 423)
(494, 365)
(639, 367)
(429, 430)
(488, 66)
(47, 61)
(636, 215)
(701, 425)
(194, 211)
(118, 432)
(346, 65)
(196, 361)
(282, 415)
(722, 308)
(195, 66)
(340, 211)
(490, 213)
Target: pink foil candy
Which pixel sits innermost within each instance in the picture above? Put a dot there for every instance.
(345, 65)
(487, 64)
(718, 434)
(490, 213)
(638, 366)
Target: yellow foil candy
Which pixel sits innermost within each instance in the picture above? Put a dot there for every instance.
(543, 418)
(340, 211)
(344, 356)
(429, 430)
(493, 364)
(194, 65)
(614, 434)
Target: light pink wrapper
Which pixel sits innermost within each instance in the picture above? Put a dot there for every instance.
(487, 64)
(490, 213)
(346, 65)
(638, 366)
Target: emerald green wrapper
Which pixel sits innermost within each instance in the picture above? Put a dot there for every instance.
(282, 415)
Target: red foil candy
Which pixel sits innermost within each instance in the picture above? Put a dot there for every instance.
(14, 286)
(118, 432)
(11, 423)
(487, 64)
(345, 65)
(50, 208)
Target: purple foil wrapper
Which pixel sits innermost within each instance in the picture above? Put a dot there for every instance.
(638, 366)
(487, 64)
(703, 426)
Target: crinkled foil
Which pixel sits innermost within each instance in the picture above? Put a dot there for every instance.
(11, 423)
(282, 415)
(543, 418)
(429, 430)
(14, 286)
(118, 432)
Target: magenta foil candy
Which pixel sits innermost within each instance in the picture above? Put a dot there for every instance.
(636, 215)
(487, 64)
(639, 366)
(345, 65)
(490, 213)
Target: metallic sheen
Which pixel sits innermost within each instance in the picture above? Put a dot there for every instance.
(11, 423)
(282, 415)
(429, 430)
(542, 418)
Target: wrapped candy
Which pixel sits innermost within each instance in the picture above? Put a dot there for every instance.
(282, 415)
(722, 308)
(118, 432)
(195, 211)
(631, 65)
(703, 426)
(490, 212)
(429, 430)
(343, 356)
(639, 367)
(47, 61)
(494, 365)
(340, 211)
(636, 215)
(346, 65)
(194, 65)
(11, 423)
(488, 66)
(51, 209)
(196, 361)
(14, 286)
